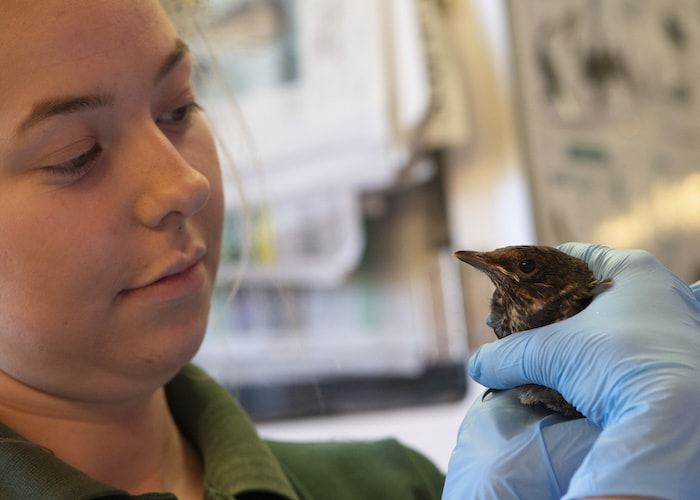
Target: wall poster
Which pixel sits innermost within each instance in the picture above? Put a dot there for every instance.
(609, 107)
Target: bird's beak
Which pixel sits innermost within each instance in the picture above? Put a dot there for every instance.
(483, 262)
(478, 260)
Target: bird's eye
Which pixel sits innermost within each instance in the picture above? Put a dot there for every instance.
(527, 265)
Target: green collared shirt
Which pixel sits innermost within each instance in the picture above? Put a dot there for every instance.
(237, 463)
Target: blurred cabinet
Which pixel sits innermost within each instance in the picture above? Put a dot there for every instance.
(337, 290)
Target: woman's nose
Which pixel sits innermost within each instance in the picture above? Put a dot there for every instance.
(172, 189)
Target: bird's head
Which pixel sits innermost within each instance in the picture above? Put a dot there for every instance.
(526, 266)
(535, 285)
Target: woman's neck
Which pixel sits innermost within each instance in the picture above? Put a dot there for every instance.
(134, 445)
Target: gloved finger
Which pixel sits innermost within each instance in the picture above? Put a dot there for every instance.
(536, 356)
(585, 251)
(606, 262)
(499, 364)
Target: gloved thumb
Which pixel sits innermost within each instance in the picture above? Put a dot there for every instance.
(499, 364)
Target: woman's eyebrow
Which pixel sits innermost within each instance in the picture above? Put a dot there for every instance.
(55, 106)
(65, 105)
(179, 52)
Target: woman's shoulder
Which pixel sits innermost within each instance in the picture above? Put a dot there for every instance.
(358, 469)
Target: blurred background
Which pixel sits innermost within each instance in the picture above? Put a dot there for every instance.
(364, 141)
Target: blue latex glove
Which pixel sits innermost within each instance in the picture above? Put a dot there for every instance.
(506, 450)
(630, 362)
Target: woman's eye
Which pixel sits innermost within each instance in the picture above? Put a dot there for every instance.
(181, 114)
(80, 165)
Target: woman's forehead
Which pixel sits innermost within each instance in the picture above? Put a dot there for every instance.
(70, 47)
(58, 30)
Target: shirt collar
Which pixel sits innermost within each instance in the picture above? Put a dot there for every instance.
(235, 459)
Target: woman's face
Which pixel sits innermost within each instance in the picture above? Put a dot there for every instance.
(110, 198)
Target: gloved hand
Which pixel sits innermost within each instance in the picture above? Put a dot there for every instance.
(630, 362)
(506, 450)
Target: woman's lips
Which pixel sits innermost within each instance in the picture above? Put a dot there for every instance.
(179, 280)
(177, 285)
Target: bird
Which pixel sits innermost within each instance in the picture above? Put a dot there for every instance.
(535, 285)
